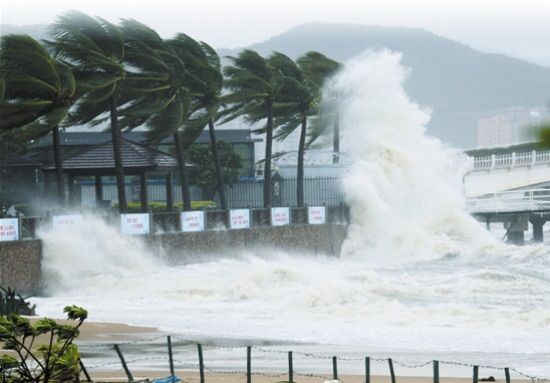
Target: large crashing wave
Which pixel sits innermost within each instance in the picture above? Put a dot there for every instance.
(405, 188)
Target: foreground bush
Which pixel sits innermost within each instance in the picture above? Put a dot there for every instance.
(56, 361)
(13, 303)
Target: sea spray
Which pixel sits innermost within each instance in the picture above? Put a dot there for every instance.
(449, 288)
(91, 250)
(404, 186)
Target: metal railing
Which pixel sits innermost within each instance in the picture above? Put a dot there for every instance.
(317, 191)
(511, 160)
(169, 221)
(511, 201)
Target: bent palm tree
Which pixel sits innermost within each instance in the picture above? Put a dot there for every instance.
(298, 100)
(165, 107)
(94, 49)
(37, 92)
(318, 68)
(211, 101)
(181, 89)
(201, 81)
(253, 86)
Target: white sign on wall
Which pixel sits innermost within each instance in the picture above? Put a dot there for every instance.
(137, 223)
(192, 221)
(66, 221)
(9, 229)
(239, 219)
(280, 216)
(316, 215)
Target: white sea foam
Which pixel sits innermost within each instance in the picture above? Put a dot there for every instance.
(417, 272)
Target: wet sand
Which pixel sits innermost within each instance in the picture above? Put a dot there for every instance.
(193, 377)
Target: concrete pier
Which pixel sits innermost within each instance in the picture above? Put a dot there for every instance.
(537, 221)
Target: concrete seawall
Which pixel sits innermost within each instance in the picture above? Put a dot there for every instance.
(20, 261)
(190, 247)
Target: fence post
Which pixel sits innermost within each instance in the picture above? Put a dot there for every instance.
(476, 374)
(83, 369)
(248, 364)
(334, 368)
(507, 374)
(436, 371)
(290, 368)
(392, 373)
(170, 355)
(201, 362)
(124, 365)
(367, 370)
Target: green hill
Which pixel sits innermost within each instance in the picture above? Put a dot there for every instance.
(460, 84)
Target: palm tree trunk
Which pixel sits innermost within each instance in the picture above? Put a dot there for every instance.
(267, 164)
(336, 140)
(184, 175)
(217, 167)
(300, 172)
(117, 152)
(58, 161)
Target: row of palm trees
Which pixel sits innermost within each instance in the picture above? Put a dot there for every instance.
(91, 71)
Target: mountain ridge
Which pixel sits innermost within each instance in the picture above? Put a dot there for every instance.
(459, 83)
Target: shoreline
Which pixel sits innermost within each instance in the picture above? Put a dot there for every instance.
(95, 331)
(193, 376)
(145, 350)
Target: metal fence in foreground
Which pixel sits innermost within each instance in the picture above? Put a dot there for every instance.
(177, 354)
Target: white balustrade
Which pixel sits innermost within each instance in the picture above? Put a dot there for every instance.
(511, 160)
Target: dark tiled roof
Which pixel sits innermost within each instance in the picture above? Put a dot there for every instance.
(95, 138)
(134, 155)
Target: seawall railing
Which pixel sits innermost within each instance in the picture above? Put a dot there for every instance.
(511, 160)
(180, 221)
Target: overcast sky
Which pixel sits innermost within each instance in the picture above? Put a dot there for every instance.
(519, 28)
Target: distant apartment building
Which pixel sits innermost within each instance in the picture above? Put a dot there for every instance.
(510, 126)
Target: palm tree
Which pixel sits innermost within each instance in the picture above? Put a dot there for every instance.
(318, 68)
(94, 49)
(180, 98)
(204, 81)
(165, 106)
(38, 92)
(298, 100)
(254, 86)
(211, 101)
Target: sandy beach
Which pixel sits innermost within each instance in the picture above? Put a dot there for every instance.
(193, 377)
(100, 333)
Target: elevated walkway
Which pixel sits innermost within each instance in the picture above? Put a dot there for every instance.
(510, 171)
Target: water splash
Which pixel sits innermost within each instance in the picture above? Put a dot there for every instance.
(405, 187)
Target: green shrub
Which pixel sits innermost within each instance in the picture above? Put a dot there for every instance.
(54, 362)
(161, 206)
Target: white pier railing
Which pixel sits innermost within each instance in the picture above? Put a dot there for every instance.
(511, 201)
(511, 160)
